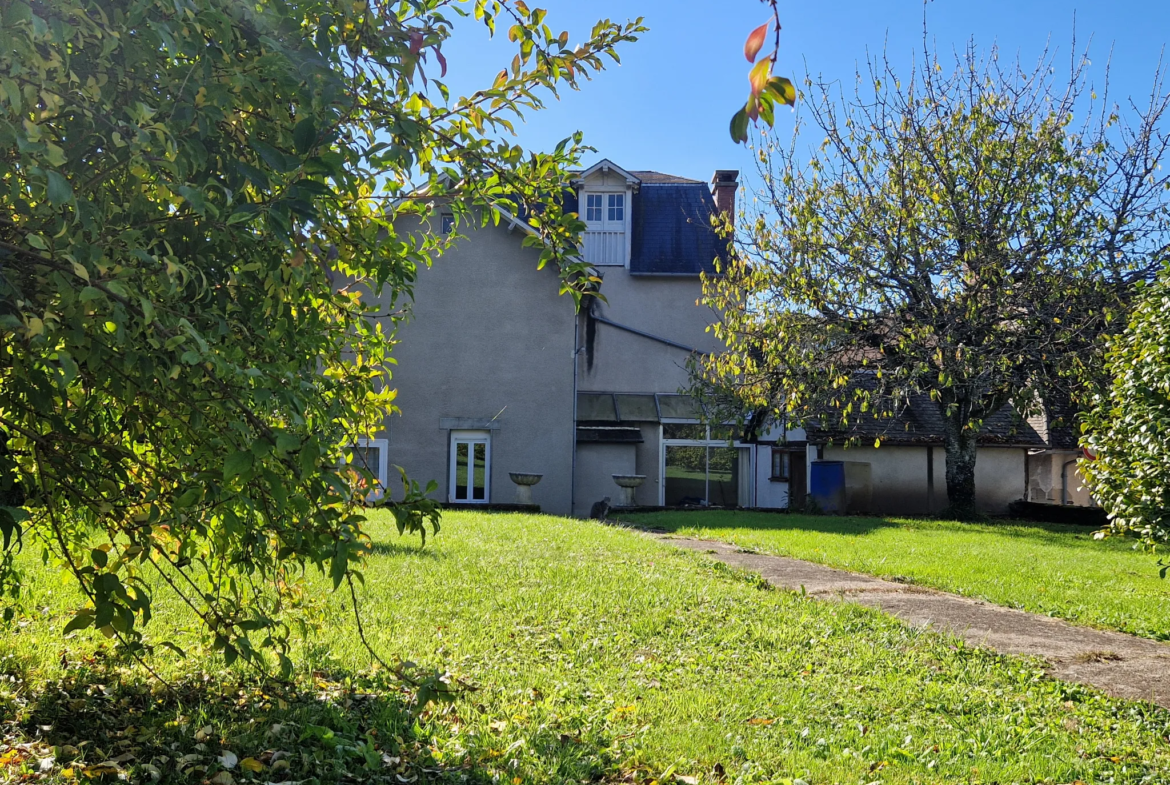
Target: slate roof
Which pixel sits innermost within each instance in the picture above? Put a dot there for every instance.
(1056, 424)
(672, 230)
(919, 422)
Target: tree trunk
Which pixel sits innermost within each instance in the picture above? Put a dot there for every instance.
(960, 443)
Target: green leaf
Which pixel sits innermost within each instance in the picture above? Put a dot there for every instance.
(782, 90)
(277, 160)
(286, 442)
(189, 497)
(236, 464)
(10, 520)
(254, 175)
(305, 136)
(59, 191)
(739, 126)
(339, 564)
(82, 620)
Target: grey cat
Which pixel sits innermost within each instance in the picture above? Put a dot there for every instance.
(600, 509)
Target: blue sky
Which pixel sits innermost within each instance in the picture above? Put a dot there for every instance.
(668, 105)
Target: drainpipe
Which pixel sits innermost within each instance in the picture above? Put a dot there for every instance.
(1064, 481)
(573, 470)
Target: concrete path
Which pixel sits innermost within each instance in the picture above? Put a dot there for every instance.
(1121, 665)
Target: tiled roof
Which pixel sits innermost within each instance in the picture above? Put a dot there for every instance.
(659, 178)
(672, 230)
(920, 422)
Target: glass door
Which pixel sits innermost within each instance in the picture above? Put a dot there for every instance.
(470, 467)
(700, 468)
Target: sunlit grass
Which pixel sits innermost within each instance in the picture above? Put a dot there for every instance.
(1045, 568)
(599, 654)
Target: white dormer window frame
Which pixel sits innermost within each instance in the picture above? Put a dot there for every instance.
(606, 192)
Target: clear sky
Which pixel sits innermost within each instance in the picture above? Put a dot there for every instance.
(668, 105)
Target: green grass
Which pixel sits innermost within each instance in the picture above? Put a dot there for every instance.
(1045, 568)
(597, 655)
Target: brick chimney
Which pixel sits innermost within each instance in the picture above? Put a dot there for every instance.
(723, 186)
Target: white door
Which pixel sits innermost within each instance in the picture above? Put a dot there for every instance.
(471, 463)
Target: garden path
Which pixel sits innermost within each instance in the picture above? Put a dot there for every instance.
(1121, 665)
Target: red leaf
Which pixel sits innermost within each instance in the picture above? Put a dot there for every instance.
(751, 47)
(416, 41)
(442, 62)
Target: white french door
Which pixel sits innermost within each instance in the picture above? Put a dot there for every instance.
(471, 464)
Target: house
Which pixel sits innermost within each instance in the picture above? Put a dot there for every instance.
(497, 374)
(1017, 459)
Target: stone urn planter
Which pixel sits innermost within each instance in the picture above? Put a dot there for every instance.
(628, 483)
(524, 482)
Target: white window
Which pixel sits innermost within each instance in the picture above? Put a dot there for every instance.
(593, 208)
(617, 208)
(781, 463)
(471, 464)
(448, 223)
(369, 455)
(606, 211)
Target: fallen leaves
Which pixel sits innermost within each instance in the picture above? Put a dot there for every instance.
(107, 768)
(252, 765)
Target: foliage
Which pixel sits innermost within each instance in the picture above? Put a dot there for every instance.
(1128, 430)
(965, 234)
(195, 199)
(1050, 569)
(768, 90)
(599, 655)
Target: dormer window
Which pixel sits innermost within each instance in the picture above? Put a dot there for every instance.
(605, 237)
(605, 191)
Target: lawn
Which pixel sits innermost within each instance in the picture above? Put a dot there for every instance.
(596, 654)
(1045, 568)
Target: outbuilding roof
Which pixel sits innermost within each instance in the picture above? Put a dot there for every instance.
(920, 422)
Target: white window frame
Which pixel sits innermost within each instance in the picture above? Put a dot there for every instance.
(470, 437)
(603, 195)
(615, 208)
(589, 208)
(382, 471)
(606, 204)
(663, 443)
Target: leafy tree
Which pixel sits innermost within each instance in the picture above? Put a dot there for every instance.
(1129, 427)
(194, 196)
(969, 233)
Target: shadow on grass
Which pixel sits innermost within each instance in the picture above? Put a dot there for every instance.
(102, 721)
(716, 520)
(402, 549)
